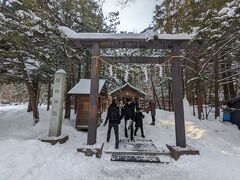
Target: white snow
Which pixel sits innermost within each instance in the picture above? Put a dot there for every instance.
(83, 86)
(145, 70)
(32, 64)
(229, 11)
(126, 74)
(147, 36)
(110, 70)
(2, 17)
(23, 156)
(61, 71)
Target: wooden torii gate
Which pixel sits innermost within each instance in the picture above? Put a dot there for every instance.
(97, 41)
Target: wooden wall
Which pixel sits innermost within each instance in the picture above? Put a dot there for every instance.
(82, 110)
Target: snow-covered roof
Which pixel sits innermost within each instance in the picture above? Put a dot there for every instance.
(131, 86)
(83, 86)
(147, 35)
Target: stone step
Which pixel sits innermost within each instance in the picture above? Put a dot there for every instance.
(136, 158)
(150, 153)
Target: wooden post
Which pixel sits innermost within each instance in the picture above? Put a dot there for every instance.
(94, 88)
(178, 98)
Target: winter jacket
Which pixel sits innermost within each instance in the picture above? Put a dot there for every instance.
(138, 118)
(113, 115)
(136, 104)
(128, 111)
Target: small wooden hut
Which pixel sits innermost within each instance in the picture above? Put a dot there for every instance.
(81, 91)
(128, 91)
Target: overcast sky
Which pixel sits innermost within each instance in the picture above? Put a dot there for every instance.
(135, 17)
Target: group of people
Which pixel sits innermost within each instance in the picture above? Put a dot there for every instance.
(131, 113)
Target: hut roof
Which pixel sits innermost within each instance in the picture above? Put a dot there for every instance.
(83, 86)
(131, 87)
(233, 100)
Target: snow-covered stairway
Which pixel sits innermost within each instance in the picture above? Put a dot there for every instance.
(140, 150)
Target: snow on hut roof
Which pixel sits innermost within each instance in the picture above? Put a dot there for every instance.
(146, 35)
(83, 86)
(131, 86)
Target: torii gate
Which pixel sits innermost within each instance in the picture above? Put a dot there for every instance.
(97, 41)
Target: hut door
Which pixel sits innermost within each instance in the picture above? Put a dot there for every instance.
(82, 115)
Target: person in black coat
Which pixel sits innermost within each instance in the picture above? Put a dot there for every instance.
(128, 112)
(136, 104)
(138, 118)
(113, 116)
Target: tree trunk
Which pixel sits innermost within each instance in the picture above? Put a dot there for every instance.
(48, 96)
(216, 87)
(231, 88)
(163, 99)
(68, 103)
(87, 70)
(228, 88)
(188, 86)
(37, 90)
(79, 71)
(75, 104)
(30, 88)
(236, 87)
(155, 93)
(205, 102)
(226, 91)
(198, 87)
(199, 94)
(29, 109)
(193, 102)
(210, 93)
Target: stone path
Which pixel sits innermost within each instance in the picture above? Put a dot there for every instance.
(140, 150)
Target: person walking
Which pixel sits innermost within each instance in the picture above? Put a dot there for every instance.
(128, 112)
(138, 119)
(152, 109)
(113, 116)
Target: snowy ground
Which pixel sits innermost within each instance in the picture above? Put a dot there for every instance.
(23, 156)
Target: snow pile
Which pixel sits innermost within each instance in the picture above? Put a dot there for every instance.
(229, 10)
(22, 152)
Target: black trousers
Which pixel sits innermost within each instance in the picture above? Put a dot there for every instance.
(126, 130)
(153, 118)
(136, 129)
(115, 127)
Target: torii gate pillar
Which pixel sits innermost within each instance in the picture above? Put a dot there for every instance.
(94, 89)
(176, 152)
(178, 98)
